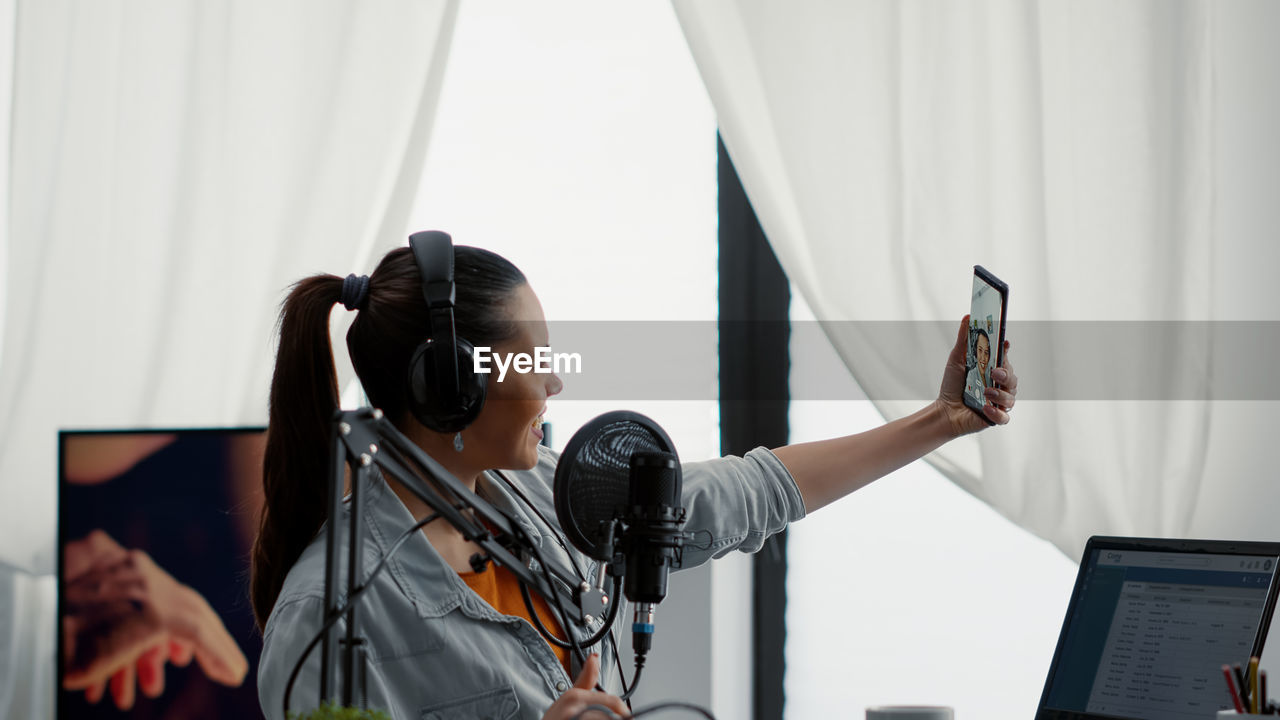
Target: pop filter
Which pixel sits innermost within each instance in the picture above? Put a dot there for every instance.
(593, 476)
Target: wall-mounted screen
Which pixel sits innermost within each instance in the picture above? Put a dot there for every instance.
(155, 530)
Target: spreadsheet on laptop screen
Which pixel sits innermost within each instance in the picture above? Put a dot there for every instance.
(1150, 631)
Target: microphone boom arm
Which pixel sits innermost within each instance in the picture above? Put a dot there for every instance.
(365, 438)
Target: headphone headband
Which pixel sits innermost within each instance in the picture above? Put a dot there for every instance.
(433, 251)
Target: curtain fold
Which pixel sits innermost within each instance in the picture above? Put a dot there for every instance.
(1076, 150)
(27, 672)
(174, 167)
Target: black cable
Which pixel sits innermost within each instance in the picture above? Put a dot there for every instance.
(552, 639)
(611, 715)
(293, 676)
(555, 597)
(534, 549)
(635, 681)
(675, 704)
(542, 629)
(622, 679)
(545, 521)
(617, 585)
(605, 630)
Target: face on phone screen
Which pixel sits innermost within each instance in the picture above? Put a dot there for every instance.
(983, 348)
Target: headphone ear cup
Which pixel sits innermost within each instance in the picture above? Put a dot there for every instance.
(473, 387)
(433, 406)
(421, 381)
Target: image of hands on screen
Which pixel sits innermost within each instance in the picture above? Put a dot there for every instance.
(126, 617)
(155, 527)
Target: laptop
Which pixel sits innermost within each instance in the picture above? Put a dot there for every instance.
(1151, 623)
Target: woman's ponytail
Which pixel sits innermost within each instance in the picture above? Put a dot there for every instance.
(304, 396)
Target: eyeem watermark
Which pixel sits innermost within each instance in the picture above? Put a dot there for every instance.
(542, 361)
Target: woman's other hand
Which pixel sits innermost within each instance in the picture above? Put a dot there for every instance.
(584, 701)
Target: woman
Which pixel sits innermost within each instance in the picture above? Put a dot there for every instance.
(979, 379)
(443, 640)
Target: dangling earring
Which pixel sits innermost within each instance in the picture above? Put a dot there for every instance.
(457, 441)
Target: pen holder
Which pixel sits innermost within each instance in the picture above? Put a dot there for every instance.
(1233, 714)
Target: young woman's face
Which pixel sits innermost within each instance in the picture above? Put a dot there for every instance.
(983, 352)
(507, 432)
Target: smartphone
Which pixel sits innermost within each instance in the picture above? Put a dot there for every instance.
(986, 336)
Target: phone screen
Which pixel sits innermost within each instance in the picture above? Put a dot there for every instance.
(985, 349)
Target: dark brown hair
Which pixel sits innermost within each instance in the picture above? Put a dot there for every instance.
(304, 387)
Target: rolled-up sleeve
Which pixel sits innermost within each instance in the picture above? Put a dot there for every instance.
(736, 503)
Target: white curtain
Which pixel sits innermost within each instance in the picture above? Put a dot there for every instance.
(174, 167)
(1108, 160)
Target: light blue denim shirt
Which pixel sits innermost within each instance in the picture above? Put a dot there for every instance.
(437, 650)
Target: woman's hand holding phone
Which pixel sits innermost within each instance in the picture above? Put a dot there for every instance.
(961, 416)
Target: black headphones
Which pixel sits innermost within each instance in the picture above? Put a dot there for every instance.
(445, 393)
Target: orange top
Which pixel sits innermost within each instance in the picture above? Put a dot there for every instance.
(500, 588)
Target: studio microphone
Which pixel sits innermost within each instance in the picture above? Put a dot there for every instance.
(617, 496)
(652, 540)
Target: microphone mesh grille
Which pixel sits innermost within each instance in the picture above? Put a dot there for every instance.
(600, 477)
(593, 482)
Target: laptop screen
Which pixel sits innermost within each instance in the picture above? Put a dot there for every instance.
(1152, 622)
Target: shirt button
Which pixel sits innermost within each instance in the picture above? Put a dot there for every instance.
(561, 686)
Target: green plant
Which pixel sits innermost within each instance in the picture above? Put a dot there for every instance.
(332, 711)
